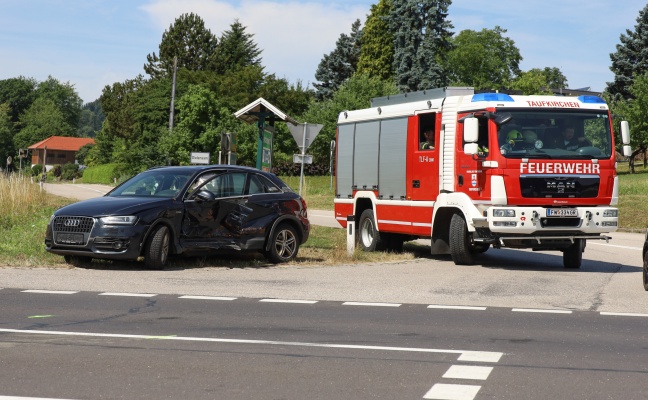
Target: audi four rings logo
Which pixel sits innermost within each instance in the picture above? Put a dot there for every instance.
(71, 222)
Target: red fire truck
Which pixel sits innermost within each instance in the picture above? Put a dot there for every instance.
(502, 170)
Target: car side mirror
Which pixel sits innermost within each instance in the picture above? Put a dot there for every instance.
(204, 195)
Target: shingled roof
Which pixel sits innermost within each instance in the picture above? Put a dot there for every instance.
(62, 143)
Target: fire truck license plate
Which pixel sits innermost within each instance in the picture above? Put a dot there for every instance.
(562, 212)
(69, 238)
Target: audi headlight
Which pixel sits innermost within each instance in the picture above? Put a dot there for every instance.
(119, 220)
(503, 212)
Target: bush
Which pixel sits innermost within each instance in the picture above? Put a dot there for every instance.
(37, 169)
(105, 174)
(288, 168)
(70, 171)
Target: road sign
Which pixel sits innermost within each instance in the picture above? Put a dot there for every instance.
(304, 134)
(302, 158)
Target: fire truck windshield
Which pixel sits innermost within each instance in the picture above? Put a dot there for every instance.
(556, 134)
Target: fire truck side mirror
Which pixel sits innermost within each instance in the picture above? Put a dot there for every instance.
(625, 138)
(471, 130)
(470, 135)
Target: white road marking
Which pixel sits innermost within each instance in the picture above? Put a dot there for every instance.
(480, 356)
(535, 310)
(465, 355)
(468, 372)
(358, 303)
(457, 307)
(288, 301)
(442, 391)
(128, 294)
(50, 291)
(208, 298)
(620, 314)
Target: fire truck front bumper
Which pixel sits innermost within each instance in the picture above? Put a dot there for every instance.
(541, 227)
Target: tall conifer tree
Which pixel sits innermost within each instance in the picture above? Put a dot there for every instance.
(339, 65)
(189, 40)
(421, 41)
(630, 59)
(377, 43)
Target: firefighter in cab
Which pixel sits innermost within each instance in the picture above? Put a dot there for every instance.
(429, 140)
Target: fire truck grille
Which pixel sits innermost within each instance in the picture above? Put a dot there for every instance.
(559, 186)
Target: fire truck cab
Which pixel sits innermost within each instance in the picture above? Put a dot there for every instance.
(502, 170)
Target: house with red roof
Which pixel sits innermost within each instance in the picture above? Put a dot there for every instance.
(57, 150)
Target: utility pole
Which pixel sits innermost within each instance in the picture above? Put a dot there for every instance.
(173, 86)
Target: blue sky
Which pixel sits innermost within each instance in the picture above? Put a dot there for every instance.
(94, 43)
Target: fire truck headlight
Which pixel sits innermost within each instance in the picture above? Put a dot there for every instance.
(611, 213)
(503, 212)
(609, 223)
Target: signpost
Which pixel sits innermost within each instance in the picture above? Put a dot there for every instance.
(304, 134)
(199, 158)
(264, 115)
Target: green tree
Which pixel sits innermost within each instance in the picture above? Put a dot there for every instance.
(198, 113)
(539, 81)
(421, 43)
(236, 49)
(630, 59)
(189, 41)
(64, 96)
(6, 132)
(377, 43)
(42, 120)
(91, 119)
(340, 64)
(634, 111)
(19, 93)
(484, 59)
(555, 78)
(83, 153)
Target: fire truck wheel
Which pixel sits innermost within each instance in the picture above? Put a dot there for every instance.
(573, 255)
(460, 248)
(368, 237)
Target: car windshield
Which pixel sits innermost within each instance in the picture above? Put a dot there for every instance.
(155, 183)
(556, 134)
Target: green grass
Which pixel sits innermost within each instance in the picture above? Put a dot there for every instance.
(25, 211)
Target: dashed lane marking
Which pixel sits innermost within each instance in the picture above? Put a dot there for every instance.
(51, 291)
(457, 307)
(358, 303)
(128, 294)
(209, 298)
(288, 301)
(620, 314)
(535, 310)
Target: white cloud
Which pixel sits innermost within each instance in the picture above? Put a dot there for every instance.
(293, 35)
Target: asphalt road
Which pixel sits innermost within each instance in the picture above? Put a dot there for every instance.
(106, 345)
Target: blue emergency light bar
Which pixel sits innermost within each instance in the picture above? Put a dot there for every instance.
(491, 97)
(591, 99)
